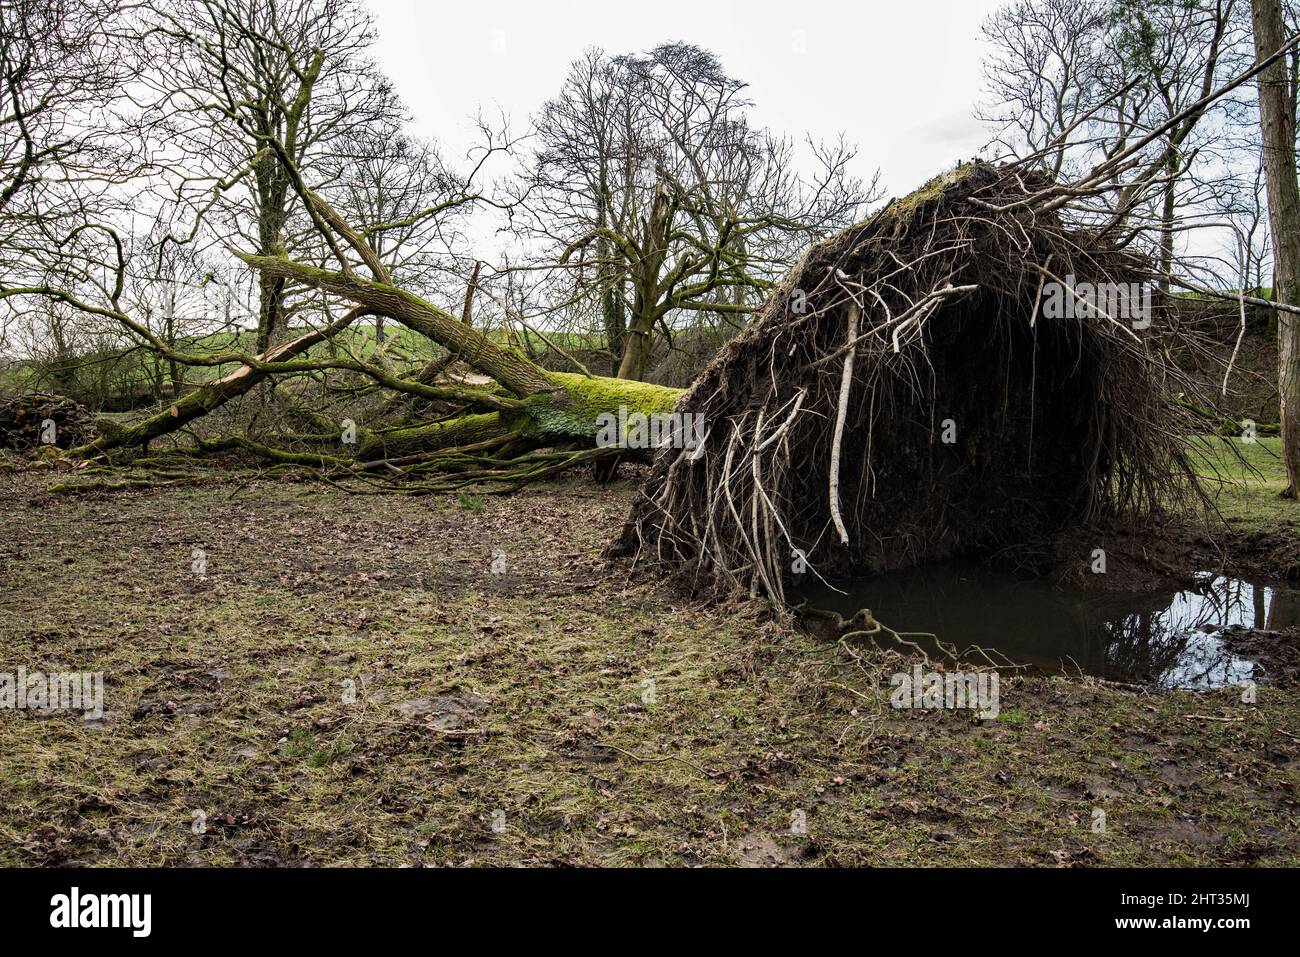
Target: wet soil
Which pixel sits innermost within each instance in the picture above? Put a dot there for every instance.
(381, 680)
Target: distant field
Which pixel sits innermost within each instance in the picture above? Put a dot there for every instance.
(360, 340)
(1249, 478)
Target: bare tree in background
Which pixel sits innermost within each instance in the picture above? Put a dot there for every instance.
(232, 84)
(1075, 83)
(655, 195)
(386, 183)
(1046, 73)
(173, 290)
(1180, 50)
(60, 164)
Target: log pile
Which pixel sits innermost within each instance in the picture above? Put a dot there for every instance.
(40, 418)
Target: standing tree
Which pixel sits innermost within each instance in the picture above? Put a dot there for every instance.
(1077, 83)
(1180, 49)
(1046, 74)
(654, 196)
(61, 169)
(1277, 121)
(231, 85)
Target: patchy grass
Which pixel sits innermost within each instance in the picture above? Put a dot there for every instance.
(1247, 479)
(1250, 477)
(349, 682)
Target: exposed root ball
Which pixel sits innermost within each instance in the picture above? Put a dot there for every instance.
(904, 396)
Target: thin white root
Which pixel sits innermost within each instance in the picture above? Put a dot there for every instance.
(846, 384)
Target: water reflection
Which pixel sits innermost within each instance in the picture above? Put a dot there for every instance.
(1169, 638)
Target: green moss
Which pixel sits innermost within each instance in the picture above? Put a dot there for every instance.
(586, 398)
(606, 393)
(930, 191)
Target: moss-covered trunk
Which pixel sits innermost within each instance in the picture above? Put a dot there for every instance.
(573, 411)
(533, 407)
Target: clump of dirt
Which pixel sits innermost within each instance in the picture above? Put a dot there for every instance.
(444, 712)
(1165, 554)
(1274, 554)
(1126, 558)
(1277, 653)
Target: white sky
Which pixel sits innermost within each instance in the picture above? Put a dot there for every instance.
(899, 77)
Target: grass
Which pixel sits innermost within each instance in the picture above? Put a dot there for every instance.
(1248, 477)
(359, 339)
(368, 680)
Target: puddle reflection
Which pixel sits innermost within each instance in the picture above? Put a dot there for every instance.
(1170, 638)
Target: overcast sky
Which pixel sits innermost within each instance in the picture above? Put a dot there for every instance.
(899, 77)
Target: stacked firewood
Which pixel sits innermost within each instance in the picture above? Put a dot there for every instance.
(37, 419)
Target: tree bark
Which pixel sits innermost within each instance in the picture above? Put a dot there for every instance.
(638, 341)
(1278, 126)
(1168, 215)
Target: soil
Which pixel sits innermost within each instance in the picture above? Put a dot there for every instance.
(346, 680)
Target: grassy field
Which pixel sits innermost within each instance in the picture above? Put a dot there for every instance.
(349, 681)
(1248, 478)
(402, 344)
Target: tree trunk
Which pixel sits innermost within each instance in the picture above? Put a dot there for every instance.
(187, 408)
(568, 414)
(511, 370)
(557, 406)
(612, 313)
(639, 341)
(272, 191)
(1168, 215)
(1278, 124)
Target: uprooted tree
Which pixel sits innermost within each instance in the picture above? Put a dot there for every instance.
(906, 395)
(815, 420)
(910, 394)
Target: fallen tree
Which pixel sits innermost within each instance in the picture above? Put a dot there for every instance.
(497, 436)
(530, 404)
(490, 432)
(921, 311)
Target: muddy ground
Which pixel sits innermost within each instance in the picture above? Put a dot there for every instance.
(347, 680)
